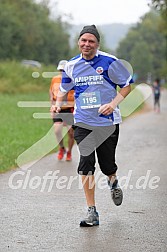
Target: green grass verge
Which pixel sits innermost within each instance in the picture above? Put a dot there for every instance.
(19, 130)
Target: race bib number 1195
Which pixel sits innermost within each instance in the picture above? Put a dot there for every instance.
(90, 100)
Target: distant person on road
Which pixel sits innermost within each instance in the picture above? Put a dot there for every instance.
(95, 75)
(66, 115)
(156, 92)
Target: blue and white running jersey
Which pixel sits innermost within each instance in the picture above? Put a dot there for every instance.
(95, 82)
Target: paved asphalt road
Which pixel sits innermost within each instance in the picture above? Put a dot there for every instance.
(40, 216)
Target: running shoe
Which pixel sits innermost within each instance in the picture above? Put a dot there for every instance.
(68, 157)
(92, 218)
(116, 192)
(61, 153)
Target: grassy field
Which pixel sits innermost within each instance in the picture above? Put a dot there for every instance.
(19, 130)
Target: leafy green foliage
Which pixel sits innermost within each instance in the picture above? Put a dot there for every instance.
(145, 47)
(161, 6)
(28, 32)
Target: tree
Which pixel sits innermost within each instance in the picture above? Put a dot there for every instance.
(143, 64)
(161, 6)
(28, 32)
(145, 38)
(126, 45)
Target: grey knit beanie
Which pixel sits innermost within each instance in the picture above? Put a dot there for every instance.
(90, 29)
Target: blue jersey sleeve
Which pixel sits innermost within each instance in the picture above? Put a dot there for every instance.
(118, 74)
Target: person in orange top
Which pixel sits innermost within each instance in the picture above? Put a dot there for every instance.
(65, 118)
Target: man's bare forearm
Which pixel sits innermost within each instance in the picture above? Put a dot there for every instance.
(120, 96)
(108, 108)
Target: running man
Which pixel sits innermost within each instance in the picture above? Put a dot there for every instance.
(95, 75)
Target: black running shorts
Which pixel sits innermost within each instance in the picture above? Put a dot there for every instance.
(103, 140)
